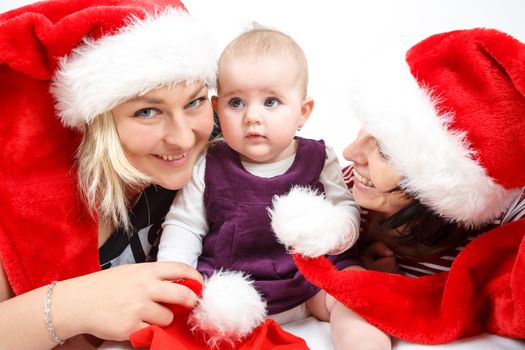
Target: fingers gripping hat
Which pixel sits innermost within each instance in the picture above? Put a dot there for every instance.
(453, 122)
(94, 54)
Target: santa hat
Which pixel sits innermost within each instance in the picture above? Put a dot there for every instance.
(164, 47)
(230, 315)
(99, 53)
(451, 119)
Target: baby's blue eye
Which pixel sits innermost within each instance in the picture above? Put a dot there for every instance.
(236, 103)
(146, 113)
(271, 102)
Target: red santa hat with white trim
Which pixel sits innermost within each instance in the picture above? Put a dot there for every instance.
(452, 124)
(164, 47)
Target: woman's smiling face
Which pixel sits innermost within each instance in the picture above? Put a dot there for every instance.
(374, 177)
(164, 131)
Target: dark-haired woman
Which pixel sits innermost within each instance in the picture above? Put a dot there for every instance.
(399, 233)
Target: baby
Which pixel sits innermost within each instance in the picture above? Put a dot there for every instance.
(220, 219)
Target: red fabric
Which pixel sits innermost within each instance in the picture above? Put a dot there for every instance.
(46, 233)
(483, 292)
(479, 75)
(178, 335)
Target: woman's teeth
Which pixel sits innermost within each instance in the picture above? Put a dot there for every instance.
(363, 180)
(171, 157)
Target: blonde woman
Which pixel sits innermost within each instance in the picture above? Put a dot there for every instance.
(129, 81)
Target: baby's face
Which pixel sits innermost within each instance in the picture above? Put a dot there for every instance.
(261, 105)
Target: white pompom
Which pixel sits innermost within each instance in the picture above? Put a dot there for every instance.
(229, 310)
(308, 223)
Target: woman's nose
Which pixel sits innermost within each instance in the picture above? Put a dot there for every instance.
(357, 150)
(349, 152)
(179, 132)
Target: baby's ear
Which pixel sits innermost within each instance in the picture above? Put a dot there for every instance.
(307, 107)
(214, 102)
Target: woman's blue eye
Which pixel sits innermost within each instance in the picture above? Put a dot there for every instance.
(236, 103)
(146, 113)
(271, 102)
(196, 103)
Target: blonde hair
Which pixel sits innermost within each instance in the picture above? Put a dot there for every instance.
(267, 42)
(104, 172)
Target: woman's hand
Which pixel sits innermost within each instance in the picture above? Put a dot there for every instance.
(377, 256)
(114, 303)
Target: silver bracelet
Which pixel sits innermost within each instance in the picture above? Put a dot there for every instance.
(47, 315)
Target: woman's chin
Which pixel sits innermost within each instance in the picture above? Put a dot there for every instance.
(173, 184)
(364, 194)
(371, 198)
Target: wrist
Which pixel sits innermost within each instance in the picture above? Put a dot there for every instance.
(65, 322)
(48, 314)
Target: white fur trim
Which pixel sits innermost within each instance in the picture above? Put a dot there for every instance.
(436, 164)
(162, 49)
(308, 223)
(229, 310)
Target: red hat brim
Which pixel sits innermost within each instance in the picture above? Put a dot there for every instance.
(484, 291)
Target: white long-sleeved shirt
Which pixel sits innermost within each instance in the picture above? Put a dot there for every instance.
(186, 223)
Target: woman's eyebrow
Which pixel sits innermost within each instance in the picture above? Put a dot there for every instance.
(197, 91)
(156, 100)
(147, 99)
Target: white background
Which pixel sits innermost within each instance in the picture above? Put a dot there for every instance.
(338, 36)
